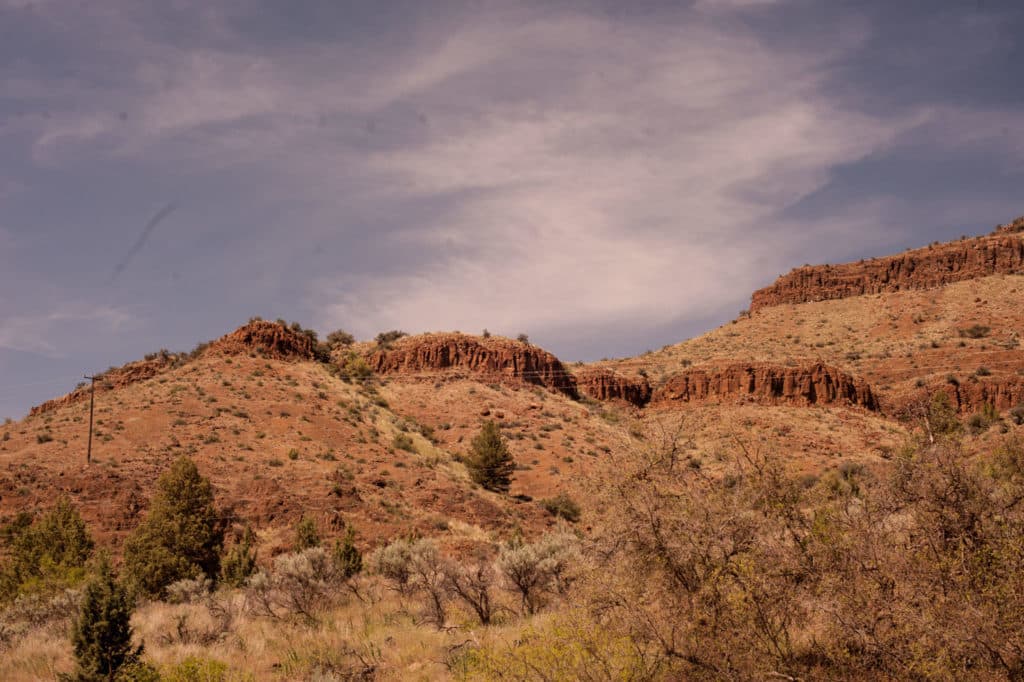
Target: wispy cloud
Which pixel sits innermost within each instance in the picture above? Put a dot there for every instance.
(516, 166)
(55, 334)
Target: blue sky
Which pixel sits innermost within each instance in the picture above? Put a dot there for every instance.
(606, 177)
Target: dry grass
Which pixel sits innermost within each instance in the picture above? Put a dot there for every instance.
(380, 633)
(886, 338)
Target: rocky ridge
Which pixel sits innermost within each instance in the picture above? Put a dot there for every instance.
(1001, 252)
(113, 378)
(767, 383)
(270, 339)
(1003, 393)
(499, 358)
(605, 384)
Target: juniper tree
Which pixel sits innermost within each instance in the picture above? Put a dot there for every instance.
(46, 553)
(102, 633)
(347, 556)
(182, 535)
(490, 463)
(240, 560)
(306, 534)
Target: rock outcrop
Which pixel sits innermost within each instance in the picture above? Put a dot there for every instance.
(999, 253)
(270, 339)
(498, 358)
(1003, 393)
(1012, 227)
(767, 383)
(605, 384)
(115, 377)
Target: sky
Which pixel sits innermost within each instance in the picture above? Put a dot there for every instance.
(606, 177)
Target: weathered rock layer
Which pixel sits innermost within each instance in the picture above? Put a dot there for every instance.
(604, 384)
(999, 253)
(767, 383)
(1003, 393)
(499, 358)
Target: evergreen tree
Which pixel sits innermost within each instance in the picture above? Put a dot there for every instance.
(102, 633)
(490, 463)
(182, 535)
(347, 556)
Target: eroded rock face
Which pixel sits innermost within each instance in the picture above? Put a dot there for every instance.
(936, 265)
(499, 358)
(605, 384)
(1004, 393)
(271, 339)
(767, 383)
(116, 377)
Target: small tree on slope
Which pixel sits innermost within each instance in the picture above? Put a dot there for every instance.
(490, 463)
(182, 535)
(102, 634)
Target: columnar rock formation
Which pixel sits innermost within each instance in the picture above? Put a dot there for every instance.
(1003, 393)
(500, 358)
(604, 384)
(767, 383)
(999, 253)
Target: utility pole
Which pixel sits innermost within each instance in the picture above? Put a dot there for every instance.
(92, 402)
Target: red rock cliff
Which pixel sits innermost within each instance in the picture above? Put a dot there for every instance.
(1004, 393)
(500, 358)
(605, 384)
(271, 339)
(999, 253)
(767, 383)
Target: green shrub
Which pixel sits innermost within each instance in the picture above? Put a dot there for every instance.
(354, 367)
(306, 534)
(201, 669)
(347, 556)
(182, 535)
(339, 338)
(562, 506)
(403, 441)
(240, 560)
(1017, 414)
(942, 415)
(386, 338)
(490, 463)
(102, 632)
(47, 554)
(977, 331)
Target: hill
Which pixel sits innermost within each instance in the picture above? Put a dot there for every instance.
(825, 376)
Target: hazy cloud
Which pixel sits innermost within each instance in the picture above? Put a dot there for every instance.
(629, 169)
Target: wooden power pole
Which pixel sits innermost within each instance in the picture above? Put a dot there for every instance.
(92, 402)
